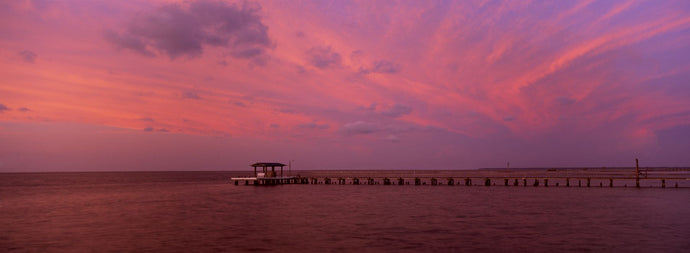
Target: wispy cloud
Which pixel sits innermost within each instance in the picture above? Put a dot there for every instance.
(28, 56)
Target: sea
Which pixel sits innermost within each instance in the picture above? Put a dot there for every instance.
(206, 212)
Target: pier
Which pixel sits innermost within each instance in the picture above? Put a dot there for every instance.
(568, 178)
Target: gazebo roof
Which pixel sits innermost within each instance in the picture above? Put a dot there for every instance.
(268, 165)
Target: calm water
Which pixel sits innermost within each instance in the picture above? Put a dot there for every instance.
(203, 212)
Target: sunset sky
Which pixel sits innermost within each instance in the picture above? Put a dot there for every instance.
(218, 85)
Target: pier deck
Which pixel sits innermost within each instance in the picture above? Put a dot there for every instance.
(658, 178)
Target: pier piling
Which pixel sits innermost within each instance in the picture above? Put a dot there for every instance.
(487, 182)
(546, 182)
(588, 181)
(505, 182)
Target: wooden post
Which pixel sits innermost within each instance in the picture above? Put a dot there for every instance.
(546, 182)
(536, 182)
(610, 182)
(637, 174)
(487, 182)
(505, 182)
(401, 181)
(434, 181)
(515, 183)
(237, 182)
(355, 181)
(417, 181)
(579, 183)
(567, 182)
(386, 181)
(451, 181)
(663, 183)
(588, 181)
(524, 182)
(468, 182)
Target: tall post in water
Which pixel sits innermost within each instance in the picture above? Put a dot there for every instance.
(637, 174)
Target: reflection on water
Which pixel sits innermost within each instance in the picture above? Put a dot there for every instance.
(202, 211)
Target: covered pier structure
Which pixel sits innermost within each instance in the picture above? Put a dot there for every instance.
(267, 175)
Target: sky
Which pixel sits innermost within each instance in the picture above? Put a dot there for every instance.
(218, 85)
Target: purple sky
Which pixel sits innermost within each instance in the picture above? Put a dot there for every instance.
(219, 85)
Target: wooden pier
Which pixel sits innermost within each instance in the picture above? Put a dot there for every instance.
(578, 178)
(505, 181)
(586, 182)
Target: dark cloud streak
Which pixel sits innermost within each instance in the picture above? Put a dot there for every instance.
(185, 29)
(28, 56)
(323, 57)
